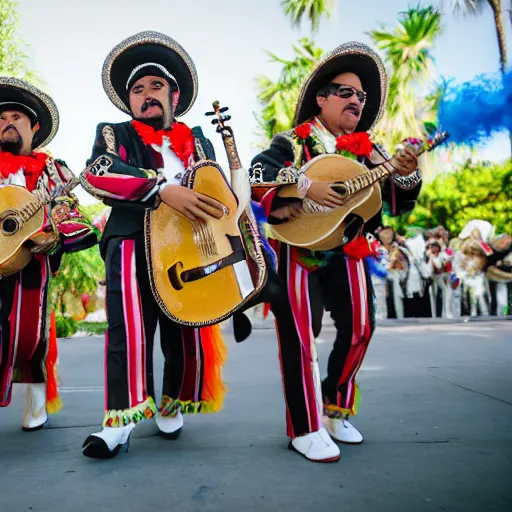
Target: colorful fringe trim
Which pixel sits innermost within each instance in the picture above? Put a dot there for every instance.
(120, 418)
(53, 400)
(334, 411)
(170, 406)
(214, 389)
(215, 354)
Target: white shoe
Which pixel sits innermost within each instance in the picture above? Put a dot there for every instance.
(341, 430)
(108, 442)
(169, 426)
(316, 446)
(34, 414)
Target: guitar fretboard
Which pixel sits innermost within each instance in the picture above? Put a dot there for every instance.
(386, 169)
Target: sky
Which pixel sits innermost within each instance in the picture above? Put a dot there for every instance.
(227, 39)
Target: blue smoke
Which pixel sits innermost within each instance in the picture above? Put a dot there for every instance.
(474, 111)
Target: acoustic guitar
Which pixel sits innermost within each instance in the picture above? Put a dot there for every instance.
(323, 228)
(21, 218)
(198, 270)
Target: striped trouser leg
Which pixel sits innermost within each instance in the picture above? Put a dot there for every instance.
(289, 298)
(24, 327)
(132, 318)
(350, 296)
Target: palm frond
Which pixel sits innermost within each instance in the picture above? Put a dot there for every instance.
(312, 10)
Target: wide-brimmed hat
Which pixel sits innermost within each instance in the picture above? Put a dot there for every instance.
(350, 57)
(16, 94)
(156, 53)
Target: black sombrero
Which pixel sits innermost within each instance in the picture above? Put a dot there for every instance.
(151, 51)
(16, 94)
(349, 57)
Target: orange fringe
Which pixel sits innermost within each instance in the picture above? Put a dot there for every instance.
(53, 400)
(215, 354)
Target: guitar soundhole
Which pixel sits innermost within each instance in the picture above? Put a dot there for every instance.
(340, 189)
(10, 226)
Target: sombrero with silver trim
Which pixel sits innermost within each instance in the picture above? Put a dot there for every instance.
(157, 53)
(16, 94)
(350, 57)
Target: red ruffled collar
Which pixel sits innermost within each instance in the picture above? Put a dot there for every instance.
(180, 136)
(33, 166)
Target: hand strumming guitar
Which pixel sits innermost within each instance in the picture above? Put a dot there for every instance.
(191, 204)
(324, 194)
(405, 161)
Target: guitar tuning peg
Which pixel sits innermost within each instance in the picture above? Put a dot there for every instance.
(215, 121)
(223, 109)
(226, 118)
(209, 113)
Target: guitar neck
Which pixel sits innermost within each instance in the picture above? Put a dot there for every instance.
(385, 169)
(230, 146)
(43, 197)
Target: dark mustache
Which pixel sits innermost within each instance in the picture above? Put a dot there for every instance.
(353, 106)
(10, 126)
(150, 102)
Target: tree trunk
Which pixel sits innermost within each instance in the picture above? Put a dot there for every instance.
(500, 33)
(496, 10)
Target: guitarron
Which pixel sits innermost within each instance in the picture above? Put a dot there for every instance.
(199, 271)
(322, 228)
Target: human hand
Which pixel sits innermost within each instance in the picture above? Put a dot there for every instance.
(324, 194)
(405, 161)
(192, 204)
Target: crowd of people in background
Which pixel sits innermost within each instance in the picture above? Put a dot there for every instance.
(433, 274)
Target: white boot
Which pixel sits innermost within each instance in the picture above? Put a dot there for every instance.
(34, 414)
(107, 443)
(316, 446)
(169, 426)
(341, 430)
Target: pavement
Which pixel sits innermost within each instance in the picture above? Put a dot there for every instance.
(436, 414)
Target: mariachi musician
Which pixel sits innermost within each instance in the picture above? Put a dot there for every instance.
(135, 167)
(29, 120)
(338, 104)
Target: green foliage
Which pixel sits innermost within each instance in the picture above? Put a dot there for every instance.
(314, 10)
(79, 272)
(279, 99)
(407, 53)
(477, 191)
(66, 327)
(13, 59)
(93, 328)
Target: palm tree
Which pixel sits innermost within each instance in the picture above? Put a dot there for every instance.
(475, 7)
(314, 10)
(278, 99)
(407, 53)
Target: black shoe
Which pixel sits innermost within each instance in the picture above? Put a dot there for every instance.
(96, 447)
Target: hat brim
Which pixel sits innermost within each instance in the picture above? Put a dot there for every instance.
(147, 47)
(14, 90)
(350, 57)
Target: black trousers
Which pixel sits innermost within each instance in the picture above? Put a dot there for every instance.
(133, 315)
(297, 365)
(344, 288)
(24, 326)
